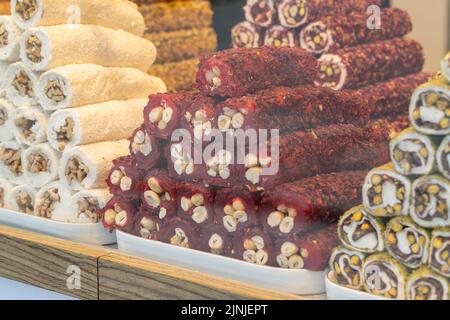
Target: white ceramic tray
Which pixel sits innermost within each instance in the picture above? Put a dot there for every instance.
(91, 233)
(300, 282)
(337, 292)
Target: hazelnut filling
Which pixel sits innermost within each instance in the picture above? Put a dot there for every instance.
(147, 227)
(26, 9)
(25, 202)
(3, 116)
(255, 251)
(89, 207)
(26, 127)
(432, 110)
(180, 238)
(199, 122)
(76, 170)
(65, 133)
(360, 232)
(196, 203)
(3, 36)
(282, 218)
(23, 84)
(116, 216)
(37, 163)
(381, 279)
(347, 269)
(33, 49)
(119, 178)
(235, 213)
(182, 161)
(426, 289)
(212, 76)
(331, 72)
(255, 166)
(12, 159)
(440, 255)
(216, 244)
(219, 165)
(49, 201)
(316, 38)
(411, 154)
(141, 143)
(386, 195)
(293, 13)
(161, 116)
(156, 195)
(231, 119)
(54, 92)
(430, 201)
(291, 256)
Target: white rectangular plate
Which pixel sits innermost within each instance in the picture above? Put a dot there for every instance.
(91, 233)
(337, 292)
(302, 282)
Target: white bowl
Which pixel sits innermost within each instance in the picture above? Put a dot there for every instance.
(337, 292)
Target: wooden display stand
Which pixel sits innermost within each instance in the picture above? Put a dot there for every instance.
(105, 273)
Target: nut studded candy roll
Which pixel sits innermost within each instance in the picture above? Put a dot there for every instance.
(20, 85)
(361, 232)
(431, 201)
(86, 167)
(145, 148)
(180, 233)
(214, 239)
(76, 85)
(279, 36)
(332, 33)
(159, 195)
(10, 36)
(370, 63)
(236, 72)
(40, 164)
(114, 14)
(6, 123)
(45, 48)
(124, 180)
(254, 246)
(30, 125)
(407, 242)
(146, 224)
(119, 214)
(246, 35)
(311, 250)
(425, 284)
(262, 13)
(5, 193)
(429, 110)
(413, 153)
(384, 276)
(85, 206)
(11, 162)
(52, 202)
(107, 121)
(445, 66)
(440, 252)
(443, 157)
(195, 204)
(347, 267)
(293, 207)
(23, 199)
(386, 193)
(199, 117)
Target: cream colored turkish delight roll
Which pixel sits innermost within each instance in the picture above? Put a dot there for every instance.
(78, 85)
(87, 167)
(44, 48)
(52, 202)
(5, 193)
(11, 162)
(85, 206)
(9, 39)
(19, 85)
(29, 125)
(40, 165)
(108, 121)
(3, 67)
(6, 123)
(23, 199)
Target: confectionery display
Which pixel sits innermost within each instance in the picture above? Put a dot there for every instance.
(396, 245)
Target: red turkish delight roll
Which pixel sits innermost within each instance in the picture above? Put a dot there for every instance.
(279, 36)
(199, 117)
(124, 179)
(181, 233)
(214, 239)
(146, 224)
(144, 149)
(294, 207)
(332, 33)
(296, 13)
(289, 109)
(246, 35)
(119, 214)
(195, 204)
(370, 63)
(235, 209)
(254, 246)
(159, 194)
(236, 72)
(260, 12)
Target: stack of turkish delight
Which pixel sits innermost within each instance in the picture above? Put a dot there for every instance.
(397, 244)
(181, 32)
(73, 85)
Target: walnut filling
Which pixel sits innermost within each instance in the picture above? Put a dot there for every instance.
(148, 227)
(283, 218)
(196, 203)
(49, 201)
(440, 255)
(293, 13)
(255, 251)
(12, 159)
(360, 232)
(54, 92)
(76, 170)
(161, 116)
(3, 35)
(3, 116)
(38, 163)
(235, 213)
(141, 143)
(386, 195)
(411, 154)
(25, 202)
(255, 166)
(427, 288)
(231, 119)
(216, 244)
(23, 84)
(316, 38)
(65, 133)
(381, 280)
(432, 110)
(2, 198)
(213, 78)
(33, 49)
(291, 256)
(26, 9)
(26, 127)
(180, 238)
(182, 160)
(347, 269)
(116, 216)
(155, 195)
(89, 207)
(430, 201)
(219, 165)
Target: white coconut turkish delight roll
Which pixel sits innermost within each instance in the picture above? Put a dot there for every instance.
(29, 125)
(85, 206)
(19, 85)
(425, 285)
(445, 66)
(52, 202)
(431, 202)
(347, 267)
(23, 199)
(5, 193)
(45, 48)
(107, 121)
(6, 123)
(9, 39)
(87, 167)
(77, 85)
(11, 162)
(114, 14)
(443, 157)
(40, 165)
(386, 193)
